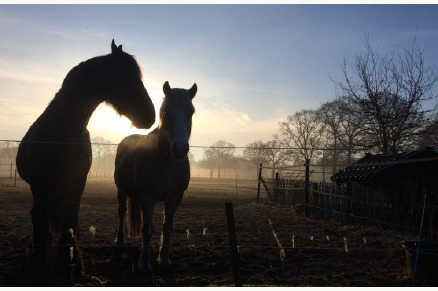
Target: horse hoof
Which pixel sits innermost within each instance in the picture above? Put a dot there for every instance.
(120, 241)
(166, 271)
(145, 277)
(165, 266)
(145, 270)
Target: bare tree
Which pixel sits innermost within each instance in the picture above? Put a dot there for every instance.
(8, 152)
(218, 156)
(208, 161)
(389, 91)
(429, 137)
(351, 131)
(303, 131)
(275, 154)
(255, 153)
(332, 115)
(104, 154)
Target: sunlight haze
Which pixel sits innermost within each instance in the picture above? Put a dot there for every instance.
(254, 64)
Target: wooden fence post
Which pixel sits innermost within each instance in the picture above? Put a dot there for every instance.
(323, 167)
(258, 183)
(233, 244)
(275, 187)
(307, 188)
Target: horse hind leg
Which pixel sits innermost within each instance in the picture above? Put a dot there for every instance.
(122, 198)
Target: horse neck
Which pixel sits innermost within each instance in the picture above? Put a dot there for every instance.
(74, 110)
(75, 104)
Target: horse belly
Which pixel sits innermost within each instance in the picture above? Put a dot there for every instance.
(53, 164)
(124, 175)
(21, 162)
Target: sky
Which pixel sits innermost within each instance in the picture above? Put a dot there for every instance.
(253, 64)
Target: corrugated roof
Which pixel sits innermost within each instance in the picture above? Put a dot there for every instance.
(402, 165)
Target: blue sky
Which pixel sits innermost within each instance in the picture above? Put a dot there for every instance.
(253, 64)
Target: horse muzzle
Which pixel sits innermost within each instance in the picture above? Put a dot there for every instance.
(180, 150)
(146, 122)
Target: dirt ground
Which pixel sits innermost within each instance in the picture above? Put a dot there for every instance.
(277, 246)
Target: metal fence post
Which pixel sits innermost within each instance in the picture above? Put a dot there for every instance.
(258, 183)
(307, 189)
(233, 244)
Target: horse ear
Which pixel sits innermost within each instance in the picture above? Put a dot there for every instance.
(193, 90)
(166, 88)
(114, 48)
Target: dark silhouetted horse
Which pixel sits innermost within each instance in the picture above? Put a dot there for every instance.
(54, 156)
(155, 168)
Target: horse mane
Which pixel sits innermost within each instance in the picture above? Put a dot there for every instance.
(165, 101)
(94, 69)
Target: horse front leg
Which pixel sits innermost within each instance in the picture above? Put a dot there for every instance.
(69, 257)
(170, 207)
(147, 206)
(41, 244)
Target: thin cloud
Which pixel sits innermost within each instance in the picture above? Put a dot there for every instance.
(78, 35)
(23, 75)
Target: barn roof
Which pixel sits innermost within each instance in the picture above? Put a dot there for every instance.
(419, 164)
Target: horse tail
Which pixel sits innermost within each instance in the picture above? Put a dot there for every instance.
(135, 219)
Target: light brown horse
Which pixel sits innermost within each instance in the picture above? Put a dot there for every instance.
(54, 156)
(155, 168)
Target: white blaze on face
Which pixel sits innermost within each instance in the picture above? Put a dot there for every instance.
(180, 135)
(176, 118)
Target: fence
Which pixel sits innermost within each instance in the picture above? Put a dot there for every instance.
(275, 247)
(401, 204)
(7, 170)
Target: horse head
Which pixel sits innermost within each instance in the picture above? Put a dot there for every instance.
(176, 119)
(125, 89)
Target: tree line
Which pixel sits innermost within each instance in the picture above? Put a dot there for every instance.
(384, 104)
(104, 154)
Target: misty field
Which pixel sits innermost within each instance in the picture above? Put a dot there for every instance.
(277, 246)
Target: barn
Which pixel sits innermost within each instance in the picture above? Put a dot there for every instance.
(392, 187)
(415, 165)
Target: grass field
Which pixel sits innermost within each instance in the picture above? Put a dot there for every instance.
(315, 252)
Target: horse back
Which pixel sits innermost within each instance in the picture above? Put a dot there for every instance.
(127, 145)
